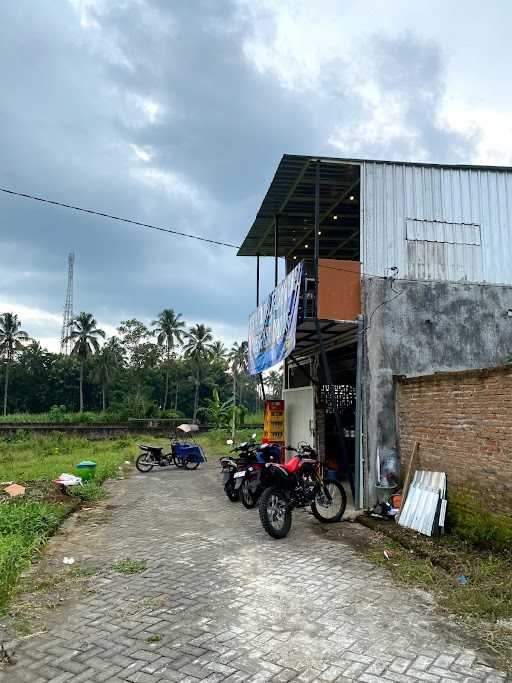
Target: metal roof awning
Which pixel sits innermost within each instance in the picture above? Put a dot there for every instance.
(334, 332)
(291, 196)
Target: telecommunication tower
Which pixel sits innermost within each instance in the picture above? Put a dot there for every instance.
(68, 307)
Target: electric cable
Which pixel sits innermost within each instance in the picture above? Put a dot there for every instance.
(116, 218)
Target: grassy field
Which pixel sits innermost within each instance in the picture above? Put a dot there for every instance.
(108, 417)
(27, 522)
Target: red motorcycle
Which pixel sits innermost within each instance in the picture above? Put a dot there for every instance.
(297, 484)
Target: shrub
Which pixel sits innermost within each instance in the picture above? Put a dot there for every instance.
(14, 557)
(90, 490)
(480, 528)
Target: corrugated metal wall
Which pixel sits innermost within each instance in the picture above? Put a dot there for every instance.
(436, 223)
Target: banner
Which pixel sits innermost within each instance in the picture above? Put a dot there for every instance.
(272, 325)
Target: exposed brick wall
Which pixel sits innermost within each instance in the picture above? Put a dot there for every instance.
(463, 422)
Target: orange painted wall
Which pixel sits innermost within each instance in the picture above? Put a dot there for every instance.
(339, 291)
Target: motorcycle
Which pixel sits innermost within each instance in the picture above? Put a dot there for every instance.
(297, 484)
(181, 455)
(248, 481)
(230, 466)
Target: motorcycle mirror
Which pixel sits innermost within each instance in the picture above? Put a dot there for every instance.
(229, 442)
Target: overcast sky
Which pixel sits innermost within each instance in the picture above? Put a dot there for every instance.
(176, 112)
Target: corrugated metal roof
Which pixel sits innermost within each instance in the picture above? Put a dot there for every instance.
(291, 195)
(423, 504)
(437, 222)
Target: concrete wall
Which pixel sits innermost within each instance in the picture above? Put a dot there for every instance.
(463, 424)
(422, 329)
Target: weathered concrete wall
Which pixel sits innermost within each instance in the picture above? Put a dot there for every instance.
(93, 432)
(422, 329)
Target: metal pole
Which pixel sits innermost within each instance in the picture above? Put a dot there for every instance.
(276, 248)
(257, 280)
(359, 476)
(317, 230)
(262, 385)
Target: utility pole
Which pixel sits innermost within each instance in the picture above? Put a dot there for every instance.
(68, 307)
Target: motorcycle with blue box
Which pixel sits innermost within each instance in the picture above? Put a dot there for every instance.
(182, 454)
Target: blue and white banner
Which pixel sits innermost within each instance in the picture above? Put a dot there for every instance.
(272, 325)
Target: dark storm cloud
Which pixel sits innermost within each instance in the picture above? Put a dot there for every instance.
(171, 79)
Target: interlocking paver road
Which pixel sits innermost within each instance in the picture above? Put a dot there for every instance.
(229, 603)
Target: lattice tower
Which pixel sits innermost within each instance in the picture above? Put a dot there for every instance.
(68, 308)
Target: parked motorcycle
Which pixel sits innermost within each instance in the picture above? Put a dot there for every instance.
(230, 465)
(297, 484)
(181, 454)
(248, 481)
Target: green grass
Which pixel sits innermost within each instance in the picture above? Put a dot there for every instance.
(27, 458)
(153, 638)
(128, 566)
(483, 605)
(214, 441)
(60, 416)
(34, 461)
(27, 522)
(24, 527)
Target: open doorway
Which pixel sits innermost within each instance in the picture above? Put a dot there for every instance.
(340, 398)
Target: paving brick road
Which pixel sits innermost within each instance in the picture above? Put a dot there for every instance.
(229, 603)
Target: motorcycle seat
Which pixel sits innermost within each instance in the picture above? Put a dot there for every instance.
(151, 449)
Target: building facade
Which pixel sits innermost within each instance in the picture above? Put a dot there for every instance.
(408, 272)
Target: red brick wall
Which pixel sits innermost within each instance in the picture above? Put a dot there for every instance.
(463, 422)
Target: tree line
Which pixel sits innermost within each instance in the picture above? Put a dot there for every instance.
(164, 370)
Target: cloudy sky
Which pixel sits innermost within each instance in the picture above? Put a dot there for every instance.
(176, 112)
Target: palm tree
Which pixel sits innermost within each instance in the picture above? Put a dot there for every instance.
(11, 341)
(274, 381)
(169, 329)
(110, 358)
(219, 351)
(198, 348)
(238, 357)
(83, 334)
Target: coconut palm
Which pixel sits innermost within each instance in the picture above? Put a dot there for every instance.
(274, 381)
(219, 351)
(238, 358)
(169, 329)
(109, 358)
(83, 335)
(11, 341)
(198, 348)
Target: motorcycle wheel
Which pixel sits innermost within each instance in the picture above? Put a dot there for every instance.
(325, 511)
(190, 463)
(177, 461)
(231, 493)
(275, 513)
(144, 463)
(248, 498)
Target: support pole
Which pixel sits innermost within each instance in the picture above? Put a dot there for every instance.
(262, 384)
(317, 230)
(359, 471)
(340, 429)
(276, 249)
(325, 363)
(257, 280)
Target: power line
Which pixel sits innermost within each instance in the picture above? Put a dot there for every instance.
(116, 218)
